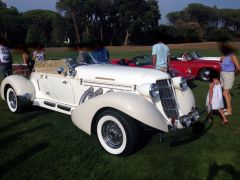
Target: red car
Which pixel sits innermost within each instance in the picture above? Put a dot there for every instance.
(197, 67)
(146, 62)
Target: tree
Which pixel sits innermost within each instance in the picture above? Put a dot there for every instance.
(35, 35)
(2, 4)
(74, 10)
(11, 24)
(48, 24)
(134, 15)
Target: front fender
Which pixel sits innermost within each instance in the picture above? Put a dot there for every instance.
(20, 84)
(131, 104)
(185, 100)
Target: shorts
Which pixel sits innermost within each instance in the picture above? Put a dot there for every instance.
(227, 79)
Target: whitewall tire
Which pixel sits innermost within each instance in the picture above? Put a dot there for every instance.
(13, 101)
(117, 133)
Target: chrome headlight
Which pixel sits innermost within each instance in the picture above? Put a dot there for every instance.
(195, 115)
(185, 121)
(154, 90)
(183, 84)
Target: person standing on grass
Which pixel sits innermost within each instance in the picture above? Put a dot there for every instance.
(229, 67)
(214, 97)
(39, 54)
(5, 60)
(27, 59)
(160, 56)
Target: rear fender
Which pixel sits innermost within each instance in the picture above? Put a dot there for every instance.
(131, 104)
(23, 87)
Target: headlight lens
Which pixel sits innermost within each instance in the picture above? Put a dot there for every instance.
(154, 90)
(185, 121)
(183, 84)
(195, 115)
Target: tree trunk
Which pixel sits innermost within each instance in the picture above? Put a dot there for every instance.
(75, 26)
(126, 38)
(87, 31)
(101, 33)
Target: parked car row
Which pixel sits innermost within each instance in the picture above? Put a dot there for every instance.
(187, 65)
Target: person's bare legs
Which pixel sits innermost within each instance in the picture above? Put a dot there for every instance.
(225, 121)
(228, 98)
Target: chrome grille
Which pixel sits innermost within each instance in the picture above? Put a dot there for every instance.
(167, 98)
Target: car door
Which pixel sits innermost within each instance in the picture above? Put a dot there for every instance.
(60, 89)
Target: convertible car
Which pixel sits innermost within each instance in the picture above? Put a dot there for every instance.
(199, 56)
(113, 102)
(145, 61)
(198, 67)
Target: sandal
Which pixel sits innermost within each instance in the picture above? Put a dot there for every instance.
(227, 113)
(225, 122)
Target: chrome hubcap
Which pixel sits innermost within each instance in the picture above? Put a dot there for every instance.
(12, 100)
(206, 75)
(112, 134)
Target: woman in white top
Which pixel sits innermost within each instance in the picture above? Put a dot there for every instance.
(215, 97)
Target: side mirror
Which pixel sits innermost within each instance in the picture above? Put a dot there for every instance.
(60, 70)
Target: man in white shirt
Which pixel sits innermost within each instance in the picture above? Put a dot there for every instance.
(5, 60)
(160, 56)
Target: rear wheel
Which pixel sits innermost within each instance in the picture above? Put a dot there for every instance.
(13, 101)
(117, 133)
(204, 74)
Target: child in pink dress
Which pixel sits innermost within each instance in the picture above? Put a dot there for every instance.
(215, 98)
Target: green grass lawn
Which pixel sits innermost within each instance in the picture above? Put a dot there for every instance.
(42, 144)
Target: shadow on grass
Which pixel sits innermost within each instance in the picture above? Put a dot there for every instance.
(22, 120)
(4, 168)
(191, 85)
(198, 130)
(19, 135)
(214, 168)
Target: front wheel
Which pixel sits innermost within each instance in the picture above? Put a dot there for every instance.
(13, 102)
(204, 75)
(117, 133)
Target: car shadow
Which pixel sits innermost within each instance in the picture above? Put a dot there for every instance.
(214, 168)
(25, 119)
(16, 136)
(191, 84)
(198, 130)
(6, 167)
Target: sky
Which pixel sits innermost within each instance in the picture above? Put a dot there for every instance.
(166, 6)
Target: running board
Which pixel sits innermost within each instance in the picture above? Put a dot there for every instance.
(59, 106)
(65, 108)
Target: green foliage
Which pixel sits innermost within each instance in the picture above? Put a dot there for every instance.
(2, 4)
(35, 35)
(219, 35)
(110, 21)
(221, 20)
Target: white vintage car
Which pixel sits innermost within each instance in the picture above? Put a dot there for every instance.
(110, 101)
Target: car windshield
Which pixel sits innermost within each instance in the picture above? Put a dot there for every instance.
(196, 55)
(86, 58)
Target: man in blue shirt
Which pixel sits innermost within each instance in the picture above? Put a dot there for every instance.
(100, 53)
(160, 56)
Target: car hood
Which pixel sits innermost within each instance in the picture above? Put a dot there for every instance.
(117, 74)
